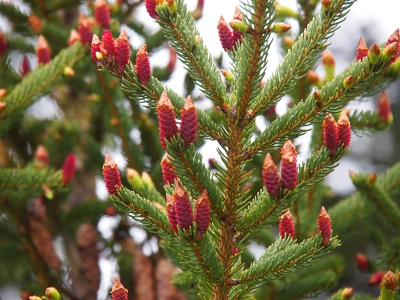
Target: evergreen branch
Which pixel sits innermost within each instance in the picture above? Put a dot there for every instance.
(367, 185)
(193, 173)
(264, 210)
(180, 29)
(281, 259)
(36, 83)
(249, 72)
(151, 93)
(20, 183)
(334, 96)
(302, 55)
(145, 212)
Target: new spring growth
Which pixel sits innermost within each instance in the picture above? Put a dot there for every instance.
(68, 170)
(118, 291)
(284, 11)
(374, 53)
(143, 69)
(362, 50)
(189, 124)
(112, 177)
(388, 286)
(225, 35)
(43, 51)
(286, 225)
(347, 293)
(167, 126)
(394, 38)
(314, 79)
(167, 170)
(51, 293)
(324, 226)
(279, 28)
(270, 175)
(289, 165)
(102, 13)
(238, 16)
(228, 75)
(348, 82)
(329, 65)
(134, 179)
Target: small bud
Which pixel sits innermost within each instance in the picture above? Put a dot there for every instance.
(324, 226)
(362, 262)
(35, 23)
(331, 133)
(237, 36)
(134, 179)
(3, 106)
(270, 176)
(68, 170)
(228, 75)
(189, 124)
(347, 293)
(279, 28)
(146, 178)
(202, 213)
(68, 71)
(107, 46)
(51, 293)
(151, 8)
(42, 155)
(284, 11)
(388, 285)
(362, 50)
(172, 7)
(326, 4)
(3, 93)
(118, 291)
(375, 278)
(111, 211)
(95, 49)
(183, 209)
(394, 38)
(122, 51)
(85, 31)
(239, 26)
(235, 251)
(289, 165)
(43, 50)
(25, 66)
(317, 96)
(286, 225)
(372, 178)
(211, 163)
(314, 79)
(3, 44)
(74, 37)
(348, 82)
(329, 64)
(225, 35)
(102, 13)
(374, 53)
(48, 192)
(112, 177)
(167, 127)
(344, 129)
(288, 41)
(143, 68)
(171, 213)
(390, 51)
(167, 170)
(384, 110)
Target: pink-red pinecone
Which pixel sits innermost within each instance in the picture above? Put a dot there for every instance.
(202, 213)
(112, 177)
(68, 170)
(171, 213)
(189, 125)
(102, 13)
(225, 35)
(107, 46)
(289, 165)
(324, 226)
(270, 176)
(331, 133)
(143, 69)
(182, 206)
(362, 50)
(122, 51)
(167, 170)
(43, 50)
(118, 291)
(286, 225)
(344, 129)
(167, 127)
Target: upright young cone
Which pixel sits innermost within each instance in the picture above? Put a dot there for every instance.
(189, 125)
(384, 110)
(167, 170)
(85, 31)
(167, 127)
(102, 13)
(68, 170)
(324, 226)
(112, 177)
(43, 52)
(171, 213)
(121, 51)
(362, 50)
(225, 35)
(202, 213)
(118, 291)
(182, 206)
(344, 129)
(289, 165)
(25, 66)
(331, 133)
(394, 38)
(286, 225)
(74, 37)
(388, 286)
(151, 8)
(107, 46)
(143, 68)
(270, 176)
